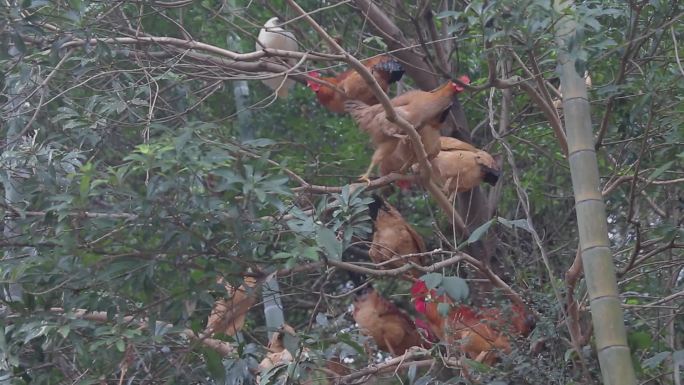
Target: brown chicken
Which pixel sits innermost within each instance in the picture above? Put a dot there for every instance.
(461, 166)
(404, 156)
(419, 108)
(384, 68)
(479, 332)
(277, 353)
(393, 236)
(391, 328)
(228, 315)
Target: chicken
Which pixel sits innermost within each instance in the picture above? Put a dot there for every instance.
(228, 315)
(277, 353)
(419, 108)
(404, 156)
(384, 68)
(393, 236)
(461, 167)
(391, 328)
(480, 332)
(273, 36)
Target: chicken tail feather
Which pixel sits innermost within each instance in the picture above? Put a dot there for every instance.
(357, 278)
(393, 68)
(354, 105)
(445, 114)
(491, 175)
(375, 206)
(356, 109)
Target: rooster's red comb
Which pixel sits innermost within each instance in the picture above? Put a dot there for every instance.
(313, 85)
(418, 287)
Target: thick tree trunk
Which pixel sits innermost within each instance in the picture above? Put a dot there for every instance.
(611, 341)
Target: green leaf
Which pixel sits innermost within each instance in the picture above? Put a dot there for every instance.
(19, 43)
(432, 280)
(120, 345)
(456, 288)
(519, 223)
(84, 187)
(480, 232)
(443, 308)
(64, 330)
(569, 354)
(655, 361)
(38, 3)
(478, 366)
(311, 253)
(214, 364)
(425, 380)
(282, 255)
(327, 240)
(322, 319)
(678, 356)
(377, 40)
(660, 170)
(640, 340)
(445, 14)
(347, 339)
(413, 369)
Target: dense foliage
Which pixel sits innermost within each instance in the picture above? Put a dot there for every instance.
(133, 179)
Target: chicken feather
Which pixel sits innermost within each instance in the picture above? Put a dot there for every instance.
(274, 36)
(479, 333)
(393, 236)
(424, 110)
(461, 167)
(384, 68)
(390, 327)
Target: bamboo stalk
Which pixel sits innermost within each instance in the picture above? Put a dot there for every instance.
(611, 340)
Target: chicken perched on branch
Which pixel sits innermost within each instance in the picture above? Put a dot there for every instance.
(393, 237)
(228, 315)
(404, 155)
(277, 354)
(391, 328)
(461, 166)
(480, 333)
(420, 108)
(274, 36)
(384, 68)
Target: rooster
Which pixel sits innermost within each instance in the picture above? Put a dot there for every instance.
(228, 315)
(480, 331)
(385, 69)
(419, 108)
(461, 166)
(274, 36)
(391, 328)
(393, 236)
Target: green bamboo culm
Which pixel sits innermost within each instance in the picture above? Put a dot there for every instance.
(611, 339)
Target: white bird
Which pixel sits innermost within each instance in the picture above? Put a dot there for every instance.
(273, 36)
